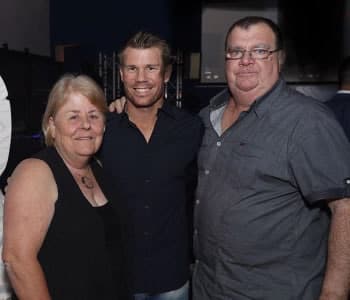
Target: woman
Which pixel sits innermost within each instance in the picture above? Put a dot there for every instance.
(54, 237)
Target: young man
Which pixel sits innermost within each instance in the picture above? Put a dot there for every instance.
(274, 164)
(149, 151)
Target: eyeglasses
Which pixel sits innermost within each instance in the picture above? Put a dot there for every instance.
(256, 53)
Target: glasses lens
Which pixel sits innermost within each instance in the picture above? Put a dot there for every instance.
(260, 53)
(234, 53)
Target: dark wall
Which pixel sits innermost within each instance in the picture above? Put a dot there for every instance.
(28, 78)
(314, 32)
(106, 24)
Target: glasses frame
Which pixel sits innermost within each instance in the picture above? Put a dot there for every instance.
(243, 52)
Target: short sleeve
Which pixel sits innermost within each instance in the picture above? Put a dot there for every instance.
(319, 157)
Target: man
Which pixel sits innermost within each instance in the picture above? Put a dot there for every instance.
(5, 139)
(271, 164)
(149, 151)
(340, 103)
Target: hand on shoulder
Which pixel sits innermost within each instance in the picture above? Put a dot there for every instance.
(117, 105)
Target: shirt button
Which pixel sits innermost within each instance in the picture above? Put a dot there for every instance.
(218, 143)
(197, 261)
(195, 232)
(347, 181)
(198, 201)
(206, 172)
(148, 180)
(146, 206)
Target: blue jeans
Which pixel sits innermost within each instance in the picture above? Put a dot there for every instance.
(179, 294)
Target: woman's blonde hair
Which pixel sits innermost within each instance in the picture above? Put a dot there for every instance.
(60, 93)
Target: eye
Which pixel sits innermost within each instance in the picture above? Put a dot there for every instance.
(235, 52)
(260, 51)
(95, 116)
(73, 117)
(130, 69)
(151, 68)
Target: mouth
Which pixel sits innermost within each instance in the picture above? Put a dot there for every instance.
(245, 74)
(142, 90)
(84, 138)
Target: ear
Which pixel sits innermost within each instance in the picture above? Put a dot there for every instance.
(281, 59)
(52, 127)
(121, 73)
(167, 73)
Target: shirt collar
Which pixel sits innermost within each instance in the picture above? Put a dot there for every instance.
(167, 108)
(259, 106)
(262, 104)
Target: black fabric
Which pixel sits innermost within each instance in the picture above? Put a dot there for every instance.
(73, 255)
(115, 251)
(151, 180)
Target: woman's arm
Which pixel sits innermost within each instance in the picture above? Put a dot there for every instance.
(28, 210)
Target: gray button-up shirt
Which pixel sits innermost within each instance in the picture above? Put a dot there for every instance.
(261, 225)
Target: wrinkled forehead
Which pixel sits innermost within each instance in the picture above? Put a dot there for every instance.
(255, 35)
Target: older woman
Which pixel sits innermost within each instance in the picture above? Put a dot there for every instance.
(54, 237)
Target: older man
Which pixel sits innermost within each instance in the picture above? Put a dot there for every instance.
(274, 177)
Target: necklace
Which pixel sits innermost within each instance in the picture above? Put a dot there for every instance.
(87, 182)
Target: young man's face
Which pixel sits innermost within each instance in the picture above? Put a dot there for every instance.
(249, 75)
(143, 75)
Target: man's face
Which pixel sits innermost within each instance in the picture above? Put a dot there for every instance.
(249, 76)
(143, 76)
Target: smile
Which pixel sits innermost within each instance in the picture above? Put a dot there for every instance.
(142, 89)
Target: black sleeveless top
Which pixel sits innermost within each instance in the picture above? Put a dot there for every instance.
(73, 256)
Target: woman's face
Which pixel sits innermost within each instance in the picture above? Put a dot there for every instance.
(77, 128)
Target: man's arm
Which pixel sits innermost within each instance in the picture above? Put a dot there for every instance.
(337, 278)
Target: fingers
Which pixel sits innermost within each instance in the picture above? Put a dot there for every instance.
(111, 106)
(117, 105)
(120, 103)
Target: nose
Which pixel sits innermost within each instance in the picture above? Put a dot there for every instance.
(246, 58)
(140, 76)
(85, 122)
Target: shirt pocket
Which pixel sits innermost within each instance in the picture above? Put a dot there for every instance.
(245, 162)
